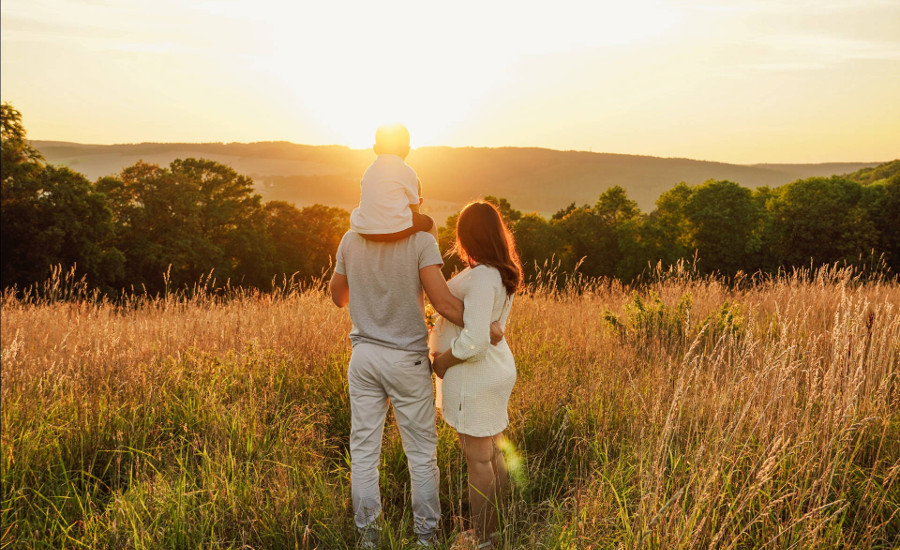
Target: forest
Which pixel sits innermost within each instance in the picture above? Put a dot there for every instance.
(151, 228)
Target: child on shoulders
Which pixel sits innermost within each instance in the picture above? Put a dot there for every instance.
(390, 192)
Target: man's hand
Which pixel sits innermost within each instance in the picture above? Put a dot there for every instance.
(440, 362)
(436, 366)
(496, 333)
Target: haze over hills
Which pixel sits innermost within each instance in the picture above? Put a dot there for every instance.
(532, 179)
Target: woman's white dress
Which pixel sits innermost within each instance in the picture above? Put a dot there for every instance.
(473, 396)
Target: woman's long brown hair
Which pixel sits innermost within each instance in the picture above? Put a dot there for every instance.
(483, 238)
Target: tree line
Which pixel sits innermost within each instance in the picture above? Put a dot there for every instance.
(724, 227)
(150, 227)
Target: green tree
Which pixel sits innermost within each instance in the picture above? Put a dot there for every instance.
(883, 173)
(604, 239)
(305, 240)
(667, 229)
(230, 219)
(18, 159)
(50, 216)
(193, 218)
(723, 217)
(156, 227)
(586, 242)
(766, 258)
(820, 221)
(563, 212)
(287, 232)
(884, 211)
(538, 242)
(625, 251)
(510, 214)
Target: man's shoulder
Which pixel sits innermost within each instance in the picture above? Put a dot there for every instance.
(349, 236)
(423, 238)
(419, 242)
(425, 243)
(427, 249)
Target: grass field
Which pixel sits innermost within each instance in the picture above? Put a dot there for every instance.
(687, 414)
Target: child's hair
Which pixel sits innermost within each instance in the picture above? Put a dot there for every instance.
(392, 139)
(482, 237)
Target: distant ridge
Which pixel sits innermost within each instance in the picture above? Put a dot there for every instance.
(532, 179)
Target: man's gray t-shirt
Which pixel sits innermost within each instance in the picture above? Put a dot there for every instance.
(387, 304)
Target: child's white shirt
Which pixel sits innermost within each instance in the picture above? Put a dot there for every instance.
(388, 187)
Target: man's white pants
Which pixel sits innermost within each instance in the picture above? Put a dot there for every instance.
(375, 375)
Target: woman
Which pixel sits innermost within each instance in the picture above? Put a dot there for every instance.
(477, 378)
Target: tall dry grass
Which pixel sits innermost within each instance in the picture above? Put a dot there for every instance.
(687, 414)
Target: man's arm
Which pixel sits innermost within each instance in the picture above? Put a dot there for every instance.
(340, 289)
(440, 362)
(449, 306)
(445, 303)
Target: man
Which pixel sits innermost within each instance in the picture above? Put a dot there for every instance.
(383, 284)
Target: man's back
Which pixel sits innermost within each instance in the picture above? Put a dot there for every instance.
(386, 297)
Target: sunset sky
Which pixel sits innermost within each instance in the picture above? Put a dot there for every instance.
(740, 81)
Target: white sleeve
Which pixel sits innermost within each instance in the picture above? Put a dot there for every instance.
(475, 337)
(339, 264)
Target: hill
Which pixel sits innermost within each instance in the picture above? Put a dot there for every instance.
(532, 179)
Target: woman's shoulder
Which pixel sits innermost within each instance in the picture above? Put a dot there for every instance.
(487, 273)
(479, 273)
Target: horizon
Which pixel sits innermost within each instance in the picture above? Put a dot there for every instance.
(439, 146)
(747, 82)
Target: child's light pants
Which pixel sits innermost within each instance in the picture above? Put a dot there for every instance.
(375, 375)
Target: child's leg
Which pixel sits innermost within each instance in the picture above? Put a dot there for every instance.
(388, 237)
(421, 222)
(425, 223)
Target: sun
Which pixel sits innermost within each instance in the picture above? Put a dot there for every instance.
(362, 96)
(430, 66)
(427, 77)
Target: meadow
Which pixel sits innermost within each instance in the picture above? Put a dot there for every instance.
(685, 413)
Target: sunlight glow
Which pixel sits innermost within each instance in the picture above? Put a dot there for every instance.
(442, 64)
(738, 81)
(514, 463)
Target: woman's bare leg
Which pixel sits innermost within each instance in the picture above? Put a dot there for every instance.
(487, 481)
(501, 475)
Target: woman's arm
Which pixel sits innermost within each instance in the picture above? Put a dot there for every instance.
(475, 338)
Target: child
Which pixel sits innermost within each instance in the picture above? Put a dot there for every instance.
(390, 192)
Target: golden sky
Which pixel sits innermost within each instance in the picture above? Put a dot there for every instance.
(740, 81)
